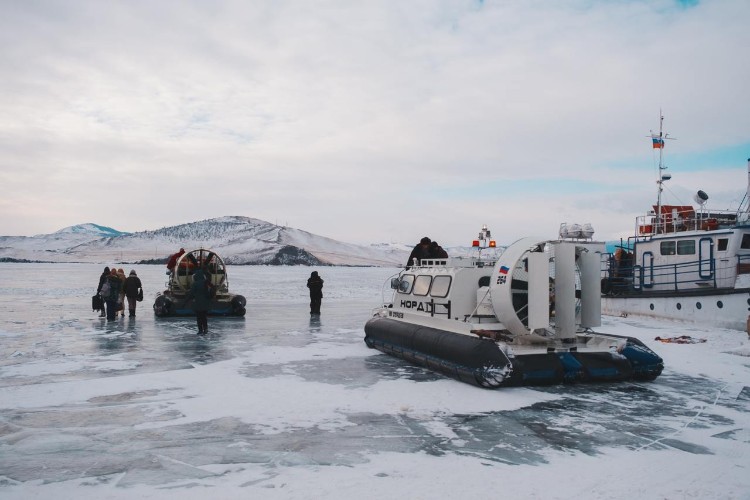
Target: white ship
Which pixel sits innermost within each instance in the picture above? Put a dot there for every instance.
(683, 262)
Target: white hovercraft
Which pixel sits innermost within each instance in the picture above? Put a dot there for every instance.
(523, 319)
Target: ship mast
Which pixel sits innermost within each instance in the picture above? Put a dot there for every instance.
(743, 211)
(658, 143)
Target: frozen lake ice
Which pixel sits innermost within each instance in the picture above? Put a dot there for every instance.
(282, 405)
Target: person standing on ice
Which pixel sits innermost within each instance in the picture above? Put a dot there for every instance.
(121, 300)
(111, 293)
(132, 289)
(201, 291)
(315, 284)
(102, 280)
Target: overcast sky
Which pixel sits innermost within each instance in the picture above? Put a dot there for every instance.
(368, 121)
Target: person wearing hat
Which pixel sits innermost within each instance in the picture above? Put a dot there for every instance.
(121, 299)
(133, 289)
(437, 252)
(315, 284)
(111, 293)
(172, 262)
(102, 280)
(201, 292)
(420, 251)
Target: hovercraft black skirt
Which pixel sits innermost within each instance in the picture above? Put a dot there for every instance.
(472, 360)
(481, 361)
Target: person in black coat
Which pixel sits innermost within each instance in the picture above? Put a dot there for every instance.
(102, 279)
(111, 293)
(437, 252)
(315, 284)
(420, 251)
(132, 289)
(201, 292)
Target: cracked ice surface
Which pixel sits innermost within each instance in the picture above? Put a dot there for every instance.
(277, 405)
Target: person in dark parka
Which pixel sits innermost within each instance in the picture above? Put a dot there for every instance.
(132, 286)
(113, 285)
(437, 252)
(102, 279)
(420, 251)
(201, 293)
(315, 284)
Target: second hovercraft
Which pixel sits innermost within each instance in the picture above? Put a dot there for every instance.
(175, 300)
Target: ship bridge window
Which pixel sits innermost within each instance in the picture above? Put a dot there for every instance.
(667, 247)
(722, 244)
(686, 247)
(404, 286)
(422, 284)
(440, 286)
(745, 241)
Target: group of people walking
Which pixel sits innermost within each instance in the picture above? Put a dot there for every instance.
(114, 287)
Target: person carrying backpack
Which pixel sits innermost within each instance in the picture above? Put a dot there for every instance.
(133, 290)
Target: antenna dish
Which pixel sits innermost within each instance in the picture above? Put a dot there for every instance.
(700, 197)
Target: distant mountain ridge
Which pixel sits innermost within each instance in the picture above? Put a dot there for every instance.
(90, 228)
(237, 239)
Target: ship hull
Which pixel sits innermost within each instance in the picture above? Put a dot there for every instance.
(722, 310)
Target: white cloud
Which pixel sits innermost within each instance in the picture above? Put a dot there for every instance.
(353, 120)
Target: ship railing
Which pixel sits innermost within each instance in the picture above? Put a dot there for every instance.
(454, 262)
(619, 278)
(651, 224)
(433, 263)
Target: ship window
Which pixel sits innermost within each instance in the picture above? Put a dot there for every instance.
(407, 280)
(422, 284)
(440, 286)
(686, 247)
(722, 244)
(745, 241)
(667, 247)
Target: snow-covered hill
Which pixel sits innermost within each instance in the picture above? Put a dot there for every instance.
(238, 240)
(90, 229)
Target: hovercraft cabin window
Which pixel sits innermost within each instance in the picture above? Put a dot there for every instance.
(404, 286)
(422, 284)
(440, 286)
(745, 241)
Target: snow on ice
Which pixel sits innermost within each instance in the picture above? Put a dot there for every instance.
(279, 405)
